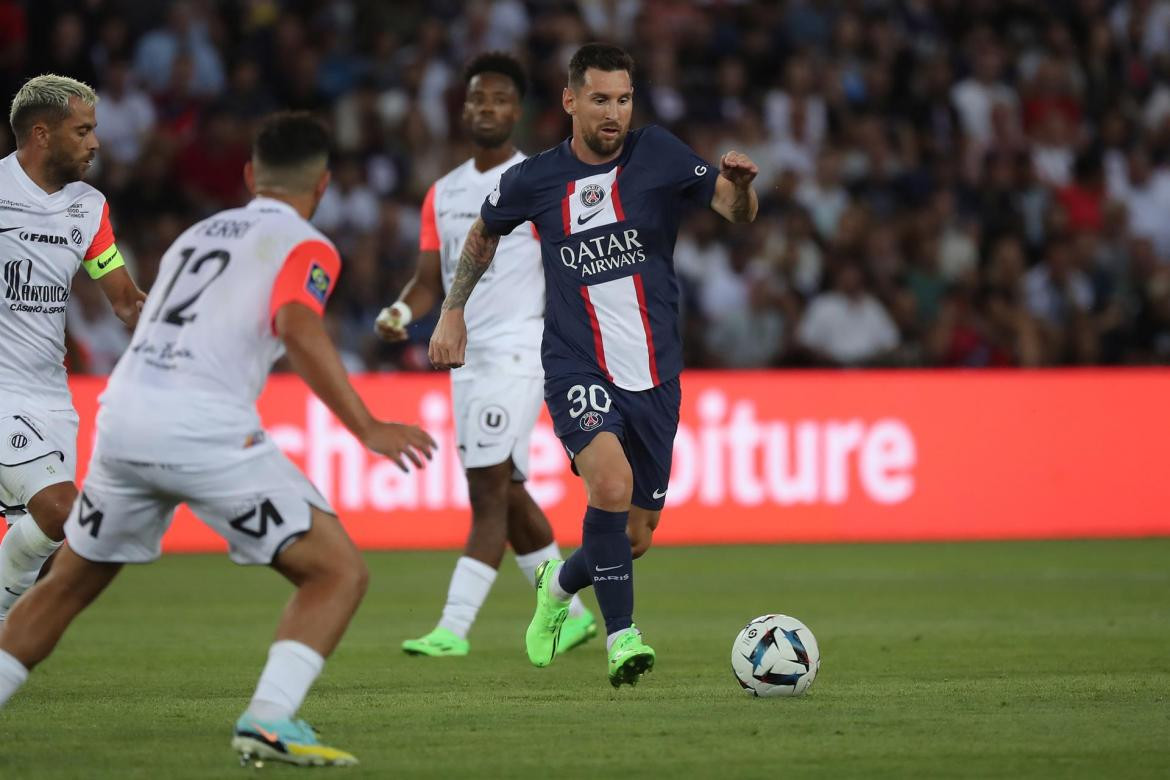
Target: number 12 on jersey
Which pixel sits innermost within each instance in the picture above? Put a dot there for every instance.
(190, 282)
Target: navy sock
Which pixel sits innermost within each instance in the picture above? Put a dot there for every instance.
(611, 566)
(574, 575)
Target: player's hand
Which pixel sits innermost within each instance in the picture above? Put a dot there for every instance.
(449, 341)
(400, 443)
(738, 168)
(390, 326)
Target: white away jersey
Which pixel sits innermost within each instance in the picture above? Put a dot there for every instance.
(43, 239)
(505, 313)
(200, 356)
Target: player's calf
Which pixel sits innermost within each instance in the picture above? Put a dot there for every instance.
(32, 540)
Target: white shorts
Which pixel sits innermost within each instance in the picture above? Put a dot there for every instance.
(38, 448)
(494, 417)
(259, 505)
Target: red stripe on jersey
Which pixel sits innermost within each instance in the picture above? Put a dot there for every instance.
(565, 208)
(103, 239)
(535, 232)
(646, 326)
(428, 233)
(308, 276)
(617, 204)
(597, 345)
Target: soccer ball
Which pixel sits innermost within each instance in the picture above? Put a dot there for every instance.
(775, 655)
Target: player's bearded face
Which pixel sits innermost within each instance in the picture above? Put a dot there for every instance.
(603, 107)
(72, 145)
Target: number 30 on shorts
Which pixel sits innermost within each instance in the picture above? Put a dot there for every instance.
(596, 397)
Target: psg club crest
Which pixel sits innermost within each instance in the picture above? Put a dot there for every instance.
(591, 421)
(591, 195)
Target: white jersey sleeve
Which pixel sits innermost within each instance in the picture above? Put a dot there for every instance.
(205, 343)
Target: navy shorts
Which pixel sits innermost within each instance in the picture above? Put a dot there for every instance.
(583, 405)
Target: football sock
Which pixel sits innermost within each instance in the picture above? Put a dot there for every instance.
(22, 553)
(528, 563)
(609, 640)
(470, 583)
(611, 566)
(12, 676)
(291, 669)
(573, 576)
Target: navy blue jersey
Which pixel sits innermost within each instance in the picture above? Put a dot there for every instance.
(607, 235)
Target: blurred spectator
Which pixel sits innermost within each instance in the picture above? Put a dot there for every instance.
(124, 114)
(997, 170)
(847, 326)
(184, 35)
(349, 209)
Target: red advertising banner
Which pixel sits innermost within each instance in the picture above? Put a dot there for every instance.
(782, 457)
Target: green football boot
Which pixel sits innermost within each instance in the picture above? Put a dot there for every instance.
(544, 632)
(577, 631)
(629, 658)
(439, 643)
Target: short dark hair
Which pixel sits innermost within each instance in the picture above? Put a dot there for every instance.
(290, 138)
(600, 56)
(497, 62)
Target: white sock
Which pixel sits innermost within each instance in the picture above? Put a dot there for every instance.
(12, 676)
(528, 563)
(470, 583)
(609, 640)
(291, 669)
(22, 553)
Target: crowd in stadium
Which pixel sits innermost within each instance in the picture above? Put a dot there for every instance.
(943, 183)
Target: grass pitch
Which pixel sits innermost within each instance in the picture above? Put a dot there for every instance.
(1046, 659)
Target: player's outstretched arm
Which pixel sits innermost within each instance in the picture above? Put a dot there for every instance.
(124, 296)
(419, 296)
(312, 355)
(449, 340)
(735, 198)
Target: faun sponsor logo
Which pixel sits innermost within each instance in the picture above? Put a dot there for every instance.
(43, 238)
(29, 297)
(603, 253)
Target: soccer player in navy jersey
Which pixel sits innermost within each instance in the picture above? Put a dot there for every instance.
(607, 204)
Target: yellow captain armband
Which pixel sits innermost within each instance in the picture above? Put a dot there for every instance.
(102, 264)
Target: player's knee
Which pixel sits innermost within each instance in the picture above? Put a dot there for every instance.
(51, 507)
(357, 579)
(611, 490)
(350, 575)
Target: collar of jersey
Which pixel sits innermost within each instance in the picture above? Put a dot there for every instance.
(261, 203)
(505, 165)
(31, 188)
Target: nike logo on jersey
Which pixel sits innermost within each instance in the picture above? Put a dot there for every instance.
(13, 592)
(488, 444)
(5, 230)
(607, 568)
(102, 266)
(581, 220)
(659, 493)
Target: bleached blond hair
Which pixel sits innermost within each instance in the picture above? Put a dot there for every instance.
(46, 96)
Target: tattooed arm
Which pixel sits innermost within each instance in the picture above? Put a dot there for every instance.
(734, 198)
(449, 340)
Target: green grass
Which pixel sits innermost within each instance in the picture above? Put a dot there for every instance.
(1047, 659)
